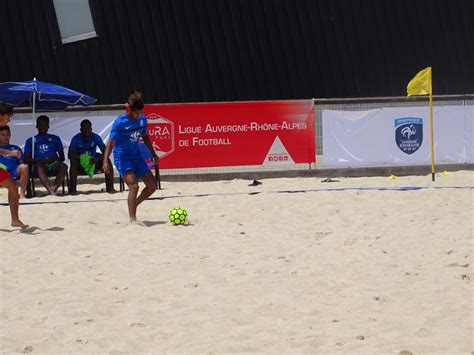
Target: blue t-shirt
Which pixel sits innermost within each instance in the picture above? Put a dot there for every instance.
(10, 162)
(126, 133)
(89, 146)
(47, 146)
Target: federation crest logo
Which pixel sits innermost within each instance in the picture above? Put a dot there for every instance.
(409, 134)
(161, 132)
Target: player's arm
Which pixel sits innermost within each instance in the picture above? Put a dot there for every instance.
(29, 160)
(61, 156)
(108, 150)
(113, 136)
(72, 153)
(147, 141)
(11, 153)
(60, 150)
(21, 159)
(101, 145)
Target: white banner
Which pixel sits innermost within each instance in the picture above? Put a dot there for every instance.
(397, 136)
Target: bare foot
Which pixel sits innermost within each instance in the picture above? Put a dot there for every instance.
(22, 196)
(20, 224)
(137, 223)
(133, 219)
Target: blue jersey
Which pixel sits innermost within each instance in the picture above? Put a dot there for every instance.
(89, 146)
(126, 133)
(47, 146)
(10, 162)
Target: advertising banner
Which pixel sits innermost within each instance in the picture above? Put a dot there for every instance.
(232, 134)
(397, 136)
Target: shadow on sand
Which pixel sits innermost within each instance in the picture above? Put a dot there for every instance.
(153, 223)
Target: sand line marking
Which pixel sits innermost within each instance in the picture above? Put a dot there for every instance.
(341, 189)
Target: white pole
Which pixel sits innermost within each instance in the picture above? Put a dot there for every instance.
(33, 139)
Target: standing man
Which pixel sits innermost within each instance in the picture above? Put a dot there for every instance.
(48, 157)
(87, 143)
(6, 181)
(14, 165)
(124, 140)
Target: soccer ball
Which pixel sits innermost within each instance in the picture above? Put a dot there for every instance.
(178, 216)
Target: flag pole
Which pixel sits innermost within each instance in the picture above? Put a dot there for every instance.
(431, 131)
(421, 84)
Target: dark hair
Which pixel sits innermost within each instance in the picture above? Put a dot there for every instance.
(84, 122)
(135, 101)
(5, 128)
(42, 118)
(5, 109)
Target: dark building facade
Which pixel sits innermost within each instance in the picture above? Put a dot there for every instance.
(227, 50)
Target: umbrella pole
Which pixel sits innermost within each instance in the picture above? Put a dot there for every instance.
(33, 118)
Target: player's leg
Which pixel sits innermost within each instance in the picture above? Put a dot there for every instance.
(150, 187)
(24, 174)
(43, 178)
(109, 179)
(131, 180)
(60, 170)
(13, 200)
(73, 171)
(142, 171)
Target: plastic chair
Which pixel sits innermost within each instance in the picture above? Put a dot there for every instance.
(33, 176)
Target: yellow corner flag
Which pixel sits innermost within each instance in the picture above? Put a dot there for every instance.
(420, 84)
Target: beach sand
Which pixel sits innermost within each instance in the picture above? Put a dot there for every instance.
(366, 272)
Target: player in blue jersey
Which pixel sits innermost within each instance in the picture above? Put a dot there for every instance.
(48, 157)
(88, 143)
(14, 164)
(124, 139)
(6, 180)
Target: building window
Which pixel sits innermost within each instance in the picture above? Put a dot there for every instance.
(74, 20)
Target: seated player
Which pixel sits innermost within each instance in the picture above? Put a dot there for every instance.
(86, 143)
(14, 165)
(6, 181)
(48, 156)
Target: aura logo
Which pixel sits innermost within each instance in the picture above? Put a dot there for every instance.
(161, 133)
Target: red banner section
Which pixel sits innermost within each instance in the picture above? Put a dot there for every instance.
(232, 134)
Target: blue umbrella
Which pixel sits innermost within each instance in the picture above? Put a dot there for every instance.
(42, 96)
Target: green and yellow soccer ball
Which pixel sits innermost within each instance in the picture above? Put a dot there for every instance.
(178, 216)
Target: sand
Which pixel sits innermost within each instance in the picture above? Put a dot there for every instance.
(366, 272)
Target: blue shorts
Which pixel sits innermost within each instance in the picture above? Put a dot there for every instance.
(137, 166)
(14, 175)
